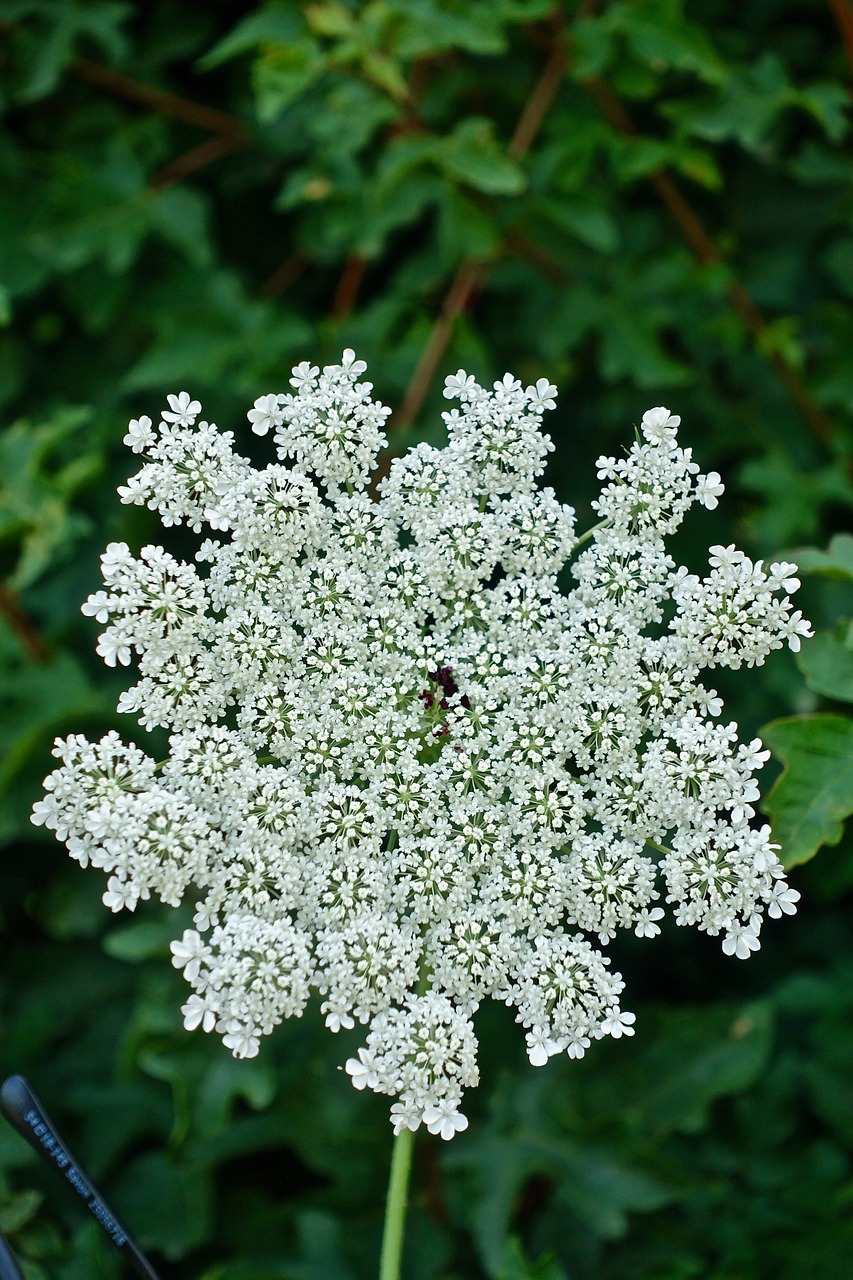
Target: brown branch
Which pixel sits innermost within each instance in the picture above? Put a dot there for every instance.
(221, 144)
(229, 133)
(469, 275)
(284, 275)
(705, 249)
(545, 263)
(538, 104)
(471, 272)
(23, 626)
(348, 286)
(842, 12)
(160, 100)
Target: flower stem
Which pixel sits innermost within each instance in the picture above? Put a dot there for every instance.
(395, 1208)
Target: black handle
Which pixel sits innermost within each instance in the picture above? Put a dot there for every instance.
(9, 1269)
(25, 1113)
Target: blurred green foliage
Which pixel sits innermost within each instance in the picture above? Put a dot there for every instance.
(643, 200)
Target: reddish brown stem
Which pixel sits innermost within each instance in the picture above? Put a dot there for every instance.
(471, 273)
(538, 104)
(160, 100)
(468, 276)
(284, 275)
(196, 158)
(697, 237)
(842, 11)
(23, 626)
(348, 286)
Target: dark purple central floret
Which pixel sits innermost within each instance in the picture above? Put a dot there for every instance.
(442, 678)
(443, 689)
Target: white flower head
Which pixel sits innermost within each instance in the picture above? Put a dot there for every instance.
(182, 410)
(709, 489)
(407, 771)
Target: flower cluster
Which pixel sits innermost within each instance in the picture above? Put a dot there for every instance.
(407, 771)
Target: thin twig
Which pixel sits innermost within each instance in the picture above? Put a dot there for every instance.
(160, 100)
(468, 277)
(471, 272)
(198, 157)
(284, 275)
(518, 244)
(348, 286)
(538, 104)
(23, 626)
(699, 240)
(842, 11)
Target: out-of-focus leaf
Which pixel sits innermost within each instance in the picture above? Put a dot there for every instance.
(659, 33)
(17, 1211)
(827, 663)
(274, 23)
(517, 1266)
(140, 940)
(35, 699)
(473, 155)
(170, 1205)
(813, 796)
(697, 1057)
(835, 562)
(39, 475)
(60, 28)
(798, 496)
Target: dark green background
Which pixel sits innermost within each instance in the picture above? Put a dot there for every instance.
(647, 202)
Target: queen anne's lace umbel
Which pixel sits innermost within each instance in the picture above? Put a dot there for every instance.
(407, 770)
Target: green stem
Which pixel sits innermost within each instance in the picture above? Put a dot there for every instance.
(395, 1208)
(590, 533)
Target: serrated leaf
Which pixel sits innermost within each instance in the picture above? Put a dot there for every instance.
(813, 796)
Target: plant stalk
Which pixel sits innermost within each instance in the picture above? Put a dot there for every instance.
(395, 1207)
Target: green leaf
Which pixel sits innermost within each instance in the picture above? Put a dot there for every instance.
(794, 498)
(693, 1057)
(170, 1205)
(282, 73)
(35, 700)
(140, 940)
(782, 337)
(517, 1266)
(601, 1187)
(813, 796)
(592, 44)
(658, 33)
(473, 155)
(276, 23)
(586, 219)
(835, 562)
(827, 663)
(17, 1211)
(829, 104)
(58, 36)
(42, 467)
